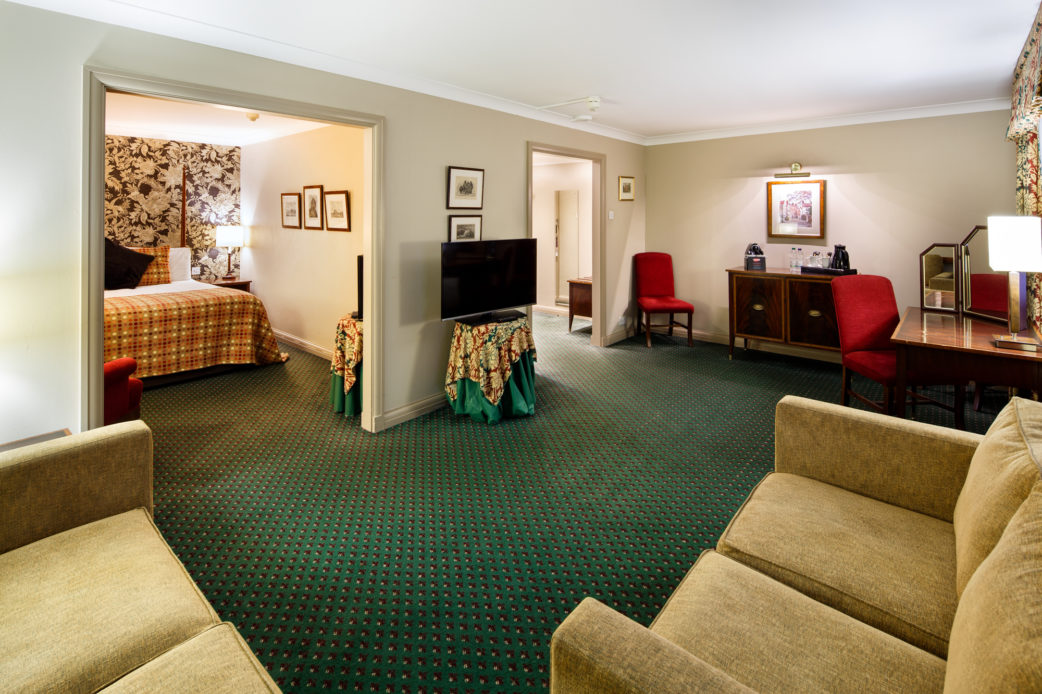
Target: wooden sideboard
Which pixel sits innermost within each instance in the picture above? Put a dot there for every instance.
(780, 305)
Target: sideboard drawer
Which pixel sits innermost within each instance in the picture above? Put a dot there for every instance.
(759, 307)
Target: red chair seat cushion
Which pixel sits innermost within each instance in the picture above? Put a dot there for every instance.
(664, 304)
(880, 365)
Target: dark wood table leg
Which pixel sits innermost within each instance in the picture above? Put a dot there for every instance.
(902, 380)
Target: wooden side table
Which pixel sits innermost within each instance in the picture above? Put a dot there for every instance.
(580, 299)
(240, 284)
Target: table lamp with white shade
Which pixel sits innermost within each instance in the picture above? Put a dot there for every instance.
(230, 237)
(1015, 246)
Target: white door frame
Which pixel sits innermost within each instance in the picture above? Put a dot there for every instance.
(98, 81)
(597, 334)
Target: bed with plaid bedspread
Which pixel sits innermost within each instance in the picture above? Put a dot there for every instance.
(182, 331)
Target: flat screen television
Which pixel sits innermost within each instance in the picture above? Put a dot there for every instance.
(483, 277)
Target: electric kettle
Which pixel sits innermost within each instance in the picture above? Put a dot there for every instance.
(840, 258)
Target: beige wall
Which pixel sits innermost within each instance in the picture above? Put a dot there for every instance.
(892, 189)
(43, 268)
(546, 180)
(306, 277)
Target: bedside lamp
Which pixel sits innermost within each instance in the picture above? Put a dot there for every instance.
(1015, 246)
(229, 237)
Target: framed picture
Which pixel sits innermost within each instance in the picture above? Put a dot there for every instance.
(796, 208)
(291, 210)
(627, 188)
(338, 210)
(465, 228)
(312, 207)
(466, 188)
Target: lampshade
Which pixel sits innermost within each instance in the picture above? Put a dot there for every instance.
(229, 237)
(1015, 244)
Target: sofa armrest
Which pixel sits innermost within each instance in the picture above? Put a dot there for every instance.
(597, 650)
(917, 466)
(52, 486)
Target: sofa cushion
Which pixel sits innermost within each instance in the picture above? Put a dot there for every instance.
(882, 564)
(216, 661)
(770, 637)
(83, 607)
(997, 634)
(1002, 472)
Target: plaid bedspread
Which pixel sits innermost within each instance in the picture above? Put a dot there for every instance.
(168, 333)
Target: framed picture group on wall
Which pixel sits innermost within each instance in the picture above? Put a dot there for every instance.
(317, 209)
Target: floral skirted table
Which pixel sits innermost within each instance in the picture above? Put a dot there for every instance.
(345, 381)
(491, 371)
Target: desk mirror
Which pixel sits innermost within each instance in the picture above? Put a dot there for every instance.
(939, 278)
(984, 291)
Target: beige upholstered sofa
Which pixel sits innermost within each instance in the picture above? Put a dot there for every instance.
(881, 555)
(91, 596)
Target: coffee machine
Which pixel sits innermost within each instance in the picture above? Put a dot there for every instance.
(754, 257)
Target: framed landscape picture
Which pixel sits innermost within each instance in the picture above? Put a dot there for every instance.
(465, 228)
(291, 210)
(627, 188)
(796, 209)
(312, 210)
(338, 210)
(466, 188)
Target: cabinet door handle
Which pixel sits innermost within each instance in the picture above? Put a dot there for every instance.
(758, 307)
(814, 313)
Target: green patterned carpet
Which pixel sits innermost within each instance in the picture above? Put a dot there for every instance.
(440, 555)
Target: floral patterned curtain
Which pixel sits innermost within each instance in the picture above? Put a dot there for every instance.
(1026, 109)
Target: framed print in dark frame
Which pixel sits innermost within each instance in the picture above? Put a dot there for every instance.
(466, 188)
(338, 210)
(796, 209)
(312, 209)
(464, 228)
(291, 210)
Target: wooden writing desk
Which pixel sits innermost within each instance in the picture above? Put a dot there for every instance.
(944, 345)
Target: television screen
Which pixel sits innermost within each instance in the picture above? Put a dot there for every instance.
(480, 277)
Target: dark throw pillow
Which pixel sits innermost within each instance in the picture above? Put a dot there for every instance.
(123, 267)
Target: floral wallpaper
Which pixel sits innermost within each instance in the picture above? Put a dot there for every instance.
(143, 196)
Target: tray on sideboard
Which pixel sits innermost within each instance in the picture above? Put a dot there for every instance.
(825, 271)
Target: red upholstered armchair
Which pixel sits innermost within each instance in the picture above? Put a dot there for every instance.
(122, 391)
(653, 278)
(866, 315)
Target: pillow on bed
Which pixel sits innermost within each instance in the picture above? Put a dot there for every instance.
(180, 264)
(123, 267)
(159, 271)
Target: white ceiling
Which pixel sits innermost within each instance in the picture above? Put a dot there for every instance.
(665, 70)
(183, 121)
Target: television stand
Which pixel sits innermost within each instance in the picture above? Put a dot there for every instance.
(493, 317)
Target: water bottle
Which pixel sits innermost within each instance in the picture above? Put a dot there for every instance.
(792, 258)
(799, 258)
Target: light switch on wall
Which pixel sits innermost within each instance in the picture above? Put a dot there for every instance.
(611, 214)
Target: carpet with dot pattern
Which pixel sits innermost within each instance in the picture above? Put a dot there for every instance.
(440, 555)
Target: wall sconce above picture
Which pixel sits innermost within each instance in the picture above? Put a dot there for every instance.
(795, 171)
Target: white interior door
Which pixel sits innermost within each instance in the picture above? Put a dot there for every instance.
(567, 209)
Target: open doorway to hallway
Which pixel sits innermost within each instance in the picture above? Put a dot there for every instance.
(564, 189)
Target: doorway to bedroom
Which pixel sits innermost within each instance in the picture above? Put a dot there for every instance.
(174, 167)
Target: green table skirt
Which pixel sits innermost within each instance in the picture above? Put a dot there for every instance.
(518, 395)
(349, 403)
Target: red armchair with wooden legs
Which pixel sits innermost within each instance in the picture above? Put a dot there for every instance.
(122, 391)
(866, 315)
(653, 278)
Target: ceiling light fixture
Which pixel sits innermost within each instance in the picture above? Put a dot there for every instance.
(592, 102)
